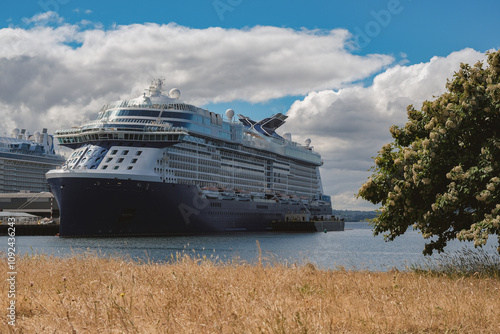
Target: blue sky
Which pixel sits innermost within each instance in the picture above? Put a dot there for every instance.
(420, 29)
(343, 71)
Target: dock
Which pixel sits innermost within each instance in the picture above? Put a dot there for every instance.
(308, 226)
(331, 225)
(30, 229)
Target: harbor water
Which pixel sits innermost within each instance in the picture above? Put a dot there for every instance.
(355, 248)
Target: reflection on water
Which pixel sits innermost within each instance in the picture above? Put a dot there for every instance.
(355, 248)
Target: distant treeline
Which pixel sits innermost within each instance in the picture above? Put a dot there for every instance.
(353, 215)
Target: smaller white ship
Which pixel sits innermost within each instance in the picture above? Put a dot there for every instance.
(24, 160)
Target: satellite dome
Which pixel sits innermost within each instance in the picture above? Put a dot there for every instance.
(37, 136)
(174, 93)
(15, 132)
(307, 142)
(230, 113)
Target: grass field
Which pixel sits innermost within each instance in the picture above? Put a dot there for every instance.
(91, 294)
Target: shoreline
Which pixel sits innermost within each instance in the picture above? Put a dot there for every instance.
(292, 226)
(85, 293)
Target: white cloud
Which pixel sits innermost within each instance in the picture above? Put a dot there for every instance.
(85, 11)
(350, 125)
(44, 19)
(55, 74)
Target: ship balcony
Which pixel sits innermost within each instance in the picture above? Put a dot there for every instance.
(157, 134)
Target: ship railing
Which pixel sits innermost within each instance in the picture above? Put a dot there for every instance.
(25, 152)
(265, 142)
(150, 134)
(162, 107)
(152, 128)
(291, 143)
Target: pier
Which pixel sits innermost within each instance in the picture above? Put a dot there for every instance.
(30, 229)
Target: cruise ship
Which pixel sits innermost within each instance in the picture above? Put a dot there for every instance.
(24, 160)
(154, 165)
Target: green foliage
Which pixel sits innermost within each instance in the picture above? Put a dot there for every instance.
(464, 263)
(441, 173)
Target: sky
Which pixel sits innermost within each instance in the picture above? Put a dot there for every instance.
(343, 71)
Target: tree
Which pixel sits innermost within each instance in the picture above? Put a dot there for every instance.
(441, 174)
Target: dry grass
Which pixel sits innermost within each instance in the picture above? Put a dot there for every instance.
(90, 294)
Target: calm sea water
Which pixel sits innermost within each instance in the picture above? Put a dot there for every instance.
(354, 248)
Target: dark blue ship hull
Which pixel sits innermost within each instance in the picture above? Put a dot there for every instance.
(113, 207)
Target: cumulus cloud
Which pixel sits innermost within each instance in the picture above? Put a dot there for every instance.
(350, 125)
(44, 19)
(60, 73)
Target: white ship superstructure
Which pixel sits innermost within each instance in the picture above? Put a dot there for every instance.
(156, 140)
(24, 160)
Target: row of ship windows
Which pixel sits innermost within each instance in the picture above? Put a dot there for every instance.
(303, 169)
(197, 159)
(156, 114)
(256, 187)
(194, 154)
(243, 176)
(233, 157)
(208, 180)
(32, 165)
(292, 180)
(11, 172)
(251, 174)
(165, 173)
(226, 213)
(254, 165)
(189, 152)
(35, 176)
(228, 169)
(120, 160)
(171, 117)
(26, 169)
(221, 172)
(184, 170)
(113, 152)
(205, 165)
(108, 160)
(303, 174)
(117, 167)
(17, 187)
(98, 160)
(24, 180)
(125, 152)
(243, 158)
